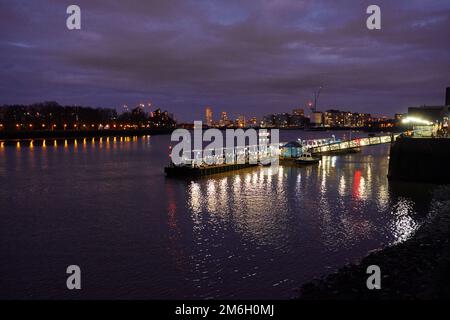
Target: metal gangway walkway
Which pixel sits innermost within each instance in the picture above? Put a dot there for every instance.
(351, 144)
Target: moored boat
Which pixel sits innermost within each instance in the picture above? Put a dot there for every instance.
(307, 158)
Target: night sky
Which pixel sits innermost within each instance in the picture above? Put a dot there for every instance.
(245, 57)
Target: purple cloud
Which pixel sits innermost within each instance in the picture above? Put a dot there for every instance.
(252, 57)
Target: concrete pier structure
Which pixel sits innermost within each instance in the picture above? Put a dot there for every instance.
(420, 160)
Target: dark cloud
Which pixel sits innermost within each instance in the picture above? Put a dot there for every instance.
(251, 57)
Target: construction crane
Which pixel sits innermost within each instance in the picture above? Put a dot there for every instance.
(316, 98)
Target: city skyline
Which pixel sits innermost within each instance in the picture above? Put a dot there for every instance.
(246, 59)
(297, 118)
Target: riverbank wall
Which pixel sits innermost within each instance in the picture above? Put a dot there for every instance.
(420, 160)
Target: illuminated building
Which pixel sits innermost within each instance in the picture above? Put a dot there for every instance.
(208, 116)
(298, 112)
(240, 121)
(317, 118)
(253, 122)
(224, 122)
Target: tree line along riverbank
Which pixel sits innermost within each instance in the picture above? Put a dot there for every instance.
(72, 134)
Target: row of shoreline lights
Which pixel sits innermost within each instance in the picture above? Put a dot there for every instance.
(65, 126)
(75, 141)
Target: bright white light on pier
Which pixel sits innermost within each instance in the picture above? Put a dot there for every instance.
(417, 121)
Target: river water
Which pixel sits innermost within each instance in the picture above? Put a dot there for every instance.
(108, 208)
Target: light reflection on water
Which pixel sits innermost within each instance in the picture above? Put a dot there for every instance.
(403, 225)
(338, 205)
(342, 206)
(236, 235)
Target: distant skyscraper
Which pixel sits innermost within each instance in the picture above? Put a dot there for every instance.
(209, 116)
(223, 122)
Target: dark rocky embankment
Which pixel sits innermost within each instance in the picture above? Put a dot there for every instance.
(418, 268)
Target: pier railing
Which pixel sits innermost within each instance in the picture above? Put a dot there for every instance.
(351, 144)
(255, 154)
(251, 154)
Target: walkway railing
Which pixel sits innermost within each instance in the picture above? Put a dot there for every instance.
(351, 144)
(252, 154)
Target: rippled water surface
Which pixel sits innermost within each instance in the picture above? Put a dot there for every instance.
(107, 207)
